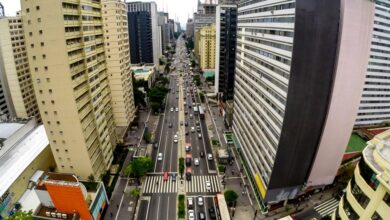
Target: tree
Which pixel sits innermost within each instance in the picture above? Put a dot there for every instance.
(201, 95)
(157, 94)
(210, 79)
(155, 106)
(20, 215)
(148, 137)
(181, 166)
(230, 197)
(139, 167)
(197, 80)
(135, 193)
(139, 97)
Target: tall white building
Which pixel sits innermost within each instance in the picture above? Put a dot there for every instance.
(298, 84)
(375, 103)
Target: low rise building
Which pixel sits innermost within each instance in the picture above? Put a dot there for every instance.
(145, 73)
(24, 149)
(367, 195)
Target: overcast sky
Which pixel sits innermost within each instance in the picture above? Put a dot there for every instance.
(180, 9)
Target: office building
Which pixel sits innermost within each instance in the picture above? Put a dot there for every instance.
(116, 38)
(190, 28)
(207, 47)
(177, 27)
(24, 149)
(374, 106)
(65, 47)
(15, 69)
(204, 16)
(225, 56)
(171, 30)
(298, 83)
(367, 195)
(163, 28)
(143, 32)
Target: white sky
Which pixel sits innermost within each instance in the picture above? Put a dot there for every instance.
(177, 9)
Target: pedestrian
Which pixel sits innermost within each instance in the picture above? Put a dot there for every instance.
(117, 206)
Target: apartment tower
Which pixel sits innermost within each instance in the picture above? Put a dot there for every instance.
(116, 39)
(225, 53)
(15, 69)
(298, 83)
(65, 45)
(374, 106)
(207, 47)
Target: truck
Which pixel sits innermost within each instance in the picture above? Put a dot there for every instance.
(201, 112)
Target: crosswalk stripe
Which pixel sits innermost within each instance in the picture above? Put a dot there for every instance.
(327, 207)
(151, 186)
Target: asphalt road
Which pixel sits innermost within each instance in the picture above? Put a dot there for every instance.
(162, 206)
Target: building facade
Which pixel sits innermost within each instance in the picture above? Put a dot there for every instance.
(225, 53)
(143, 32)
(163, 27)
(117, 50)
(297, 87)
(374, 106)
(367, 195)
(190, 28)
(15, 69)
(204, 16)
(207, 47)
(65, 45)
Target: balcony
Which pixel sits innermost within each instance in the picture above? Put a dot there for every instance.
(82, 102)
(71, 23)
(81, 91)
(85, 112)
(74, 46)
(73, 34)
(69, 11)
(79, 80)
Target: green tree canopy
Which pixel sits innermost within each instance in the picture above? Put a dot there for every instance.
(139, 167)
(20, 215)
(230, 197)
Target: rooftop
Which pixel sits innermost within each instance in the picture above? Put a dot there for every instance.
(7, 129)
(20, 156)
(377, 152)
(52, 213)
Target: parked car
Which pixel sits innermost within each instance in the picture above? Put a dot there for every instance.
(172, 109)
(191, 214)
(186, 123)
(202, 154)
(190, 202)
(160, 156)
(170, 124)
(209, 157)
(197, 122)
(187, 133)
(201, 215)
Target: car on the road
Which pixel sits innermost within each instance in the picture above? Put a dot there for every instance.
(166, 176)
(212, 213)
(173, 177)
(160, 156)
(172, 109)
(186, 112)
(190, 115)
(188, 161)
(181, 123)
(209, 157)
(202, 154)
(199, 135)
(188, 147)
(208, 185)
(177, 109)
(197, 122)
(170, 124)
(191, 214)
(190, 202)
(192, 129)
(186, 123)
(175, 138)
(198, 128)
(187, 133)
(196, 161)
(177, 97)
(200, 201)
(201, 215)
(155, 145)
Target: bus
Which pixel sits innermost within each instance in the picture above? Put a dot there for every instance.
(222, 207)
(195, 110)
(201, 112)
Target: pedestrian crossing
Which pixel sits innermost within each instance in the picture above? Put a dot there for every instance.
(326, 208)
(156, 184)
(198, 184)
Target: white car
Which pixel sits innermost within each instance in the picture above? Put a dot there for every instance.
(175, 138)
(200, 201)
(192, 129)
(196, 161)
(177, 109)
(191, 214)
(190, 115)
(208, 185)
(172, 109)
(209, 157)
(199, 136)
(160, 156)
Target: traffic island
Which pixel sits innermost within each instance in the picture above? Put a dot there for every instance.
(181, 209)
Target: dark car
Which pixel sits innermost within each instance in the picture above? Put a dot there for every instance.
(187, 132)
(155, 145)
(170, 125)
(186, 123)
(188, 161)
(188, 178)
(202, 154)
(198, 128)
(173, 177)
(212, 213)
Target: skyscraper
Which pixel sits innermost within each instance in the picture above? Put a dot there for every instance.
(116, 38)
(225, 57)
(297, 86)
(190, 28)
(163, 26)
(143, 32)
(65, 45)
(204, 16)
(374, 106)
(15, 69)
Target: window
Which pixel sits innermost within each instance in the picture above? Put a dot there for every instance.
(58, 122)
(47, 79)
(37, 7)
(58, 150)
(368, 175)
(29, 21)
(359, 195)
(39, 19)
(44, 56)
(32, 45)
(42, 44)
(46, 68)
(376, 216)
(50, 91)
(52, 102)
(386, 199)
(43, 102)
(27, 10)
(40, 31)
(30, 34)
(34, 57)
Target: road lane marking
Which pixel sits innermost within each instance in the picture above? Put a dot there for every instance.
(158, 207)
(168, 209)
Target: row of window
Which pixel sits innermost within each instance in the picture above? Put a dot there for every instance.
(269, 8)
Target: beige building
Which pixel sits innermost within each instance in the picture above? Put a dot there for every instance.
(65, 45)
(14, 69)
(207, 47)
(368, 193)
(116, 38)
